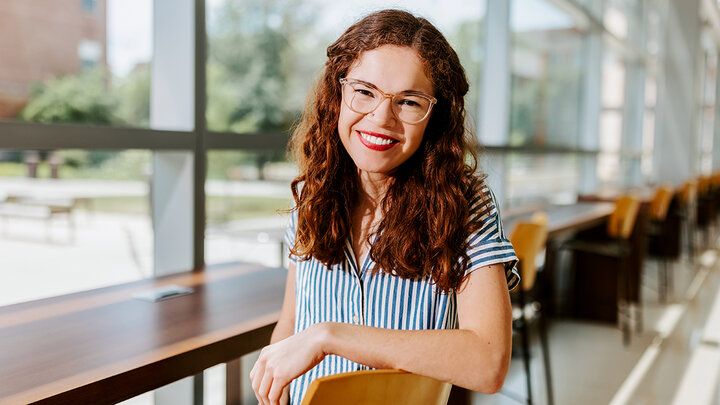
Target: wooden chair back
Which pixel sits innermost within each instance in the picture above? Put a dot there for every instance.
(703, 185)
(622, 220)
(540, 218)
(688, 193)
(660, 203)
(377, 387)
(528, 239)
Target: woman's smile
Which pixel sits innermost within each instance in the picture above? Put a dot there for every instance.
(375, 141)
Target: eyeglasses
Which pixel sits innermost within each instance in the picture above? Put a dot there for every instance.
(411, 107)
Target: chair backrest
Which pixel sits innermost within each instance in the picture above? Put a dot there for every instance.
(540, 218)
(688, 193)
(660, 203)
(622, 220)
(703, 185)
(528, 239)
(377, 387)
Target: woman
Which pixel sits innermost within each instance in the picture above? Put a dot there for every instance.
(394, 239)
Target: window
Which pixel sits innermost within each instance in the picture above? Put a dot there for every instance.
(73, 220)
(546, 76)
(264, 56)
(81, 68)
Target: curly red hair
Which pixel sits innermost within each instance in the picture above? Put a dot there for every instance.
(425, 224)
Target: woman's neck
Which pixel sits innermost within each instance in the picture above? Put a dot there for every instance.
(373, 187)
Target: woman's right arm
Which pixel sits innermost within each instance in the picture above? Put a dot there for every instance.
(286, 323)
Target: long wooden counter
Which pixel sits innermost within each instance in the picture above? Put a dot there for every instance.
(104, 346)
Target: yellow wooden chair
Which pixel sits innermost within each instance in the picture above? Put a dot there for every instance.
(377, 387)
(528, 240)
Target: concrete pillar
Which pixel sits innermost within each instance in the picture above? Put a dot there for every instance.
(494, 114)
(676, 138)
(590, 112)
(172, 107)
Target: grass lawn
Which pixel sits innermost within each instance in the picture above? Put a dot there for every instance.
(219, 208)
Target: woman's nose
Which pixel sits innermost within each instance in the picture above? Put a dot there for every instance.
(384, 114)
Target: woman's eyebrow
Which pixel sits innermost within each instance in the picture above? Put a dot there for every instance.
(408, 92)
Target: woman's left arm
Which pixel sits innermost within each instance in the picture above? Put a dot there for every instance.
(475, 356)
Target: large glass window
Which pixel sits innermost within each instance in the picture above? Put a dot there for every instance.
(265, 55)
(545, 102)
(73, 220)
(707, 111)
(546, 76)
(90, 62)
(247, 198)
(611, 118)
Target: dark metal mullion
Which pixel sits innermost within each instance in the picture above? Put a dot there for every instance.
(200, 159)
(26, 135)
(200, 131)
(247, 141)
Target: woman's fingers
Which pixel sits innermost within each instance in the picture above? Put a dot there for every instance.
(265, 385)
(285, 398)
(256, 376)
(276, 390)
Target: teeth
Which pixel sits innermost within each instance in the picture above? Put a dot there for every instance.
(375, 140)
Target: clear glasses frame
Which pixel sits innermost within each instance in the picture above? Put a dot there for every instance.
(346, 81)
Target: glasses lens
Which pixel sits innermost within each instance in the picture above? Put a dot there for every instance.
(360, 97)
(411, 108)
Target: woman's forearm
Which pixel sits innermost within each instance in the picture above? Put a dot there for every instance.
(461, 357)
(283, 329)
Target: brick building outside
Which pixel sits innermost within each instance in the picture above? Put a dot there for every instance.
(41, 39)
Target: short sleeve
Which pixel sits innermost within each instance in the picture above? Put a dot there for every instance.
(488, 245)
(290, 233)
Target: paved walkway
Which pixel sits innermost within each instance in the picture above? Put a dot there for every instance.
(90, 188)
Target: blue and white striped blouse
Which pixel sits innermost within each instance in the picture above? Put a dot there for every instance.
(354, 295)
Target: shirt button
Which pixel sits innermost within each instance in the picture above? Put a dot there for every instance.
(356, 319)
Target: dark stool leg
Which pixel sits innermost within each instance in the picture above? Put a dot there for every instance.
(546, 356)
(524, 338)
(623, 302)
(662, 281)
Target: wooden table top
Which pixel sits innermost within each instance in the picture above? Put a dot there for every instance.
(564, 219)
(103, 346)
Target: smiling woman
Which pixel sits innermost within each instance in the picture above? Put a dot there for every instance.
(390, 223)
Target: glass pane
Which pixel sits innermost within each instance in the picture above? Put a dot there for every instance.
(64, 212)
(543, 178)
(247, 196)
(546, 75)
(90, 62)
(613, 81)
(623, 18)
(265, 55)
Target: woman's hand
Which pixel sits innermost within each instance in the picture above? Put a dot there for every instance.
(284, 361)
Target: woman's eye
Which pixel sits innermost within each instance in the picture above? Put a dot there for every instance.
(410, 103)
(364, 92)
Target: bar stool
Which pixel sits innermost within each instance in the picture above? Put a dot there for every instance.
(706, 208)
(619, 229)
(528, 240)
(687, 212)
(378, 387)
(657, 230)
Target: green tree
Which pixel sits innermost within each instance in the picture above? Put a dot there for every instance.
(82, 98)
(251, 65)
(133, 92)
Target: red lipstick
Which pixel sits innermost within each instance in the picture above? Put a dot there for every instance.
(376, 146)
